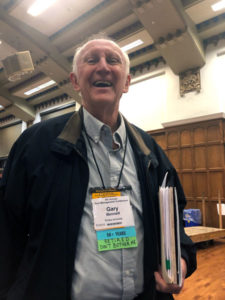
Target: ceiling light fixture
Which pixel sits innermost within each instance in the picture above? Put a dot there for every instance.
(39, 7)
(40, 87)
(1, 106)
(17, 65)
(218, 6)
(132, 45)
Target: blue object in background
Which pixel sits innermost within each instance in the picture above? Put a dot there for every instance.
(192, 217)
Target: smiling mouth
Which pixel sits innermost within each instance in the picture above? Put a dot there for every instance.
(102, 84)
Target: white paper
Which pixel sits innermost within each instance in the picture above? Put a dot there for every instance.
(112, 212)
(170, 234)
(222, 209)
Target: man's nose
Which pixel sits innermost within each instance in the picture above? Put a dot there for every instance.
(103, 66)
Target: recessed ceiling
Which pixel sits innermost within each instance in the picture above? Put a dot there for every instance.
(21, 91)
(202, 11)
(142, 35)
(53, 36)
(57, 16)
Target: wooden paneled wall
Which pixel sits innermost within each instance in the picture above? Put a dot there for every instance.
(198, 154)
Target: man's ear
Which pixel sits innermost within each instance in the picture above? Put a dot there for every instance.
(127, 84)
(74, 81)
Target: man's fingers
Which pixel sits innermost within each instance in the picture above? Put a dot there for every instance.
(164, 287)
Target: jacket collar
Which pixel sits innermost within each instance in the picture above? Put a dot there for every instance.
(69, 137)
(138, 139)
(72, 130)
(71, 133)
(140, 145)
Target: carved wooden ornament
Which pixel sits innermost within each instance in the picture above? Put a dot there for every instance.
(190, 81)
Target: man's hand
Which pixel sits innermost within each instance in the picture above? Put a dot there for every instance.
(164, 287)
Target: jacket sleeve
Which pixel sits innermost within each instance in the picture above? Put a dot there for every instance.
(188, 248)
(12, 225)
(163, 165)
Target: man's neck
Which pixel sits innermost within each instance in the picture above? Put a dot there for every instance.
(108, 117)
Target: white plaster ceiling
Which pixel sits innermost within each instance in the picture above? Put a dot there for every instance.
(60, 14)
(202, 11)
(53, 36)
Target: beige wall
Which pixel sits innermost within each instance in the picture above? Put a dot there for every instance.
(7, 138)
(153, 103)
(9, 135)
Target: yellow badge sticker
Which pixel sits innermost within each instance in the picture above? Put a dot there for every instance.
(105, 194)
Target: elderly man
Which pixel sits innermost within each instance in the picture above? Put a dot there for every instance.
(69, 186)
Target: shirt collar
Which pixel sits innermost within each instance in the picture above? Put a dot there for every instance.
(94, 128)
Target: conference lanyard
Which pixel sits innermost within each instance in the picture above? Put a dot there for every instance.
(95, 160)
(112, 211)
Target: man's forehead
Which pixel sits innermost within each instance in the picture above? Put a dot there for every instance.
(97, 45)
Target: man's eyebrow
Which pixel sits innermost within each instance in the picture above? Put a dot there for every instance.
(114, 54)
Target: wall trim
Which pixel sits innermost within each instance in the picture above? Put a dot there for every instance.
(10, 124)
(219, 115)
(55, 109)
(147, 76)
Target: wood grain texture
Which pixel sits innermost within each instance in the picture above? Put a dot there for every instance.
(197, 151)
(202, 234)
(208, 281)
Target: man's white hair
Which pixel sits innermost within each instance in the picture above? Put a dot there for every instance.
(105, 38)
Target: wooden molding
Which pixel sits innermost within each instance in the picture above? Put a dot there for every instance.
(220, 115)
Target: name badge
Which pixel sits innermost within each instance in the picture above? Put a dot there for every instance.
(112, 212)
(113, 221)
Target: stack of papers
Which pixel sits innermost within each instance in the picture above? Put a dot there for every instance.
(170, 234)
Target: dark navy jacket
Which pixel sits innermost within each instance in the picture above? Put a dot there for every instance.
(43, 192)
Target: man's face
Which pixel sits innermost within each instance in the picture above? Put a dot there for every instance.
(101, 75)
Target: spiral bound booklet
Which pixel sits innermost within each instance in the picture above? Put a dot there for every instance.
(170, 234)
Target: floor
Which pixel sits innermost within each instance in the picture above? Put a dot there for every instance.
(208, 281)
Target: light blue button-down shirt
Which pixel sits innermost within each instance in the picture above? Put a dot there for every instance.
(114, 274)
